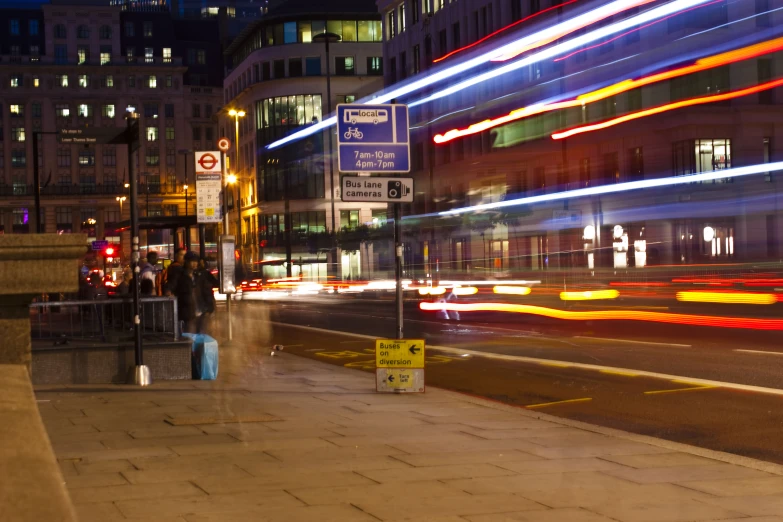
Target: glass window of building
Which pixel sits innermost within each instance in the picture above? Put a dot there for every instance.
(84, 80)
(391, 30)
(64, 157)
(109, 156)
(60, 54)
(60, 31)
(108, 81)
(401, 17)
(295, 67)
(18, 158)
(344, 66)
(196, 133)
(169, 110)
(105, 54)
(16, 80)
(169, 81)
(289, 32)
(33, 27)
(288, 111)
(13, 26)
(17, 134)
(105, 32)
(130, 54)
(305, 32)
(208, 110)
(82, 32)
(61, 80)
(349, 219)
(152, 157)
(36, 109)
(167, 55)
(86, 156)
(150, 110)
(313, 66)
(148, 29)
(169, 133)
(16, 110)
(130, 29)
(279, 68)
(131, 81)
(149, 54)
(152, 134)
(62, 110)
(152, 82)
(84, 110)
(348, 31)
(83, 54)
(196, 110)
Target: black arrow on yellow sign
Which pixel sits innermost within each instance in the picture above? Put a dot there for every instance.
(414, 349)
(391, 378)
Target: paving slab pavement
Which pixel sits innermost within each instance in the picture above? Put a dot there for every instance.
(291, 439)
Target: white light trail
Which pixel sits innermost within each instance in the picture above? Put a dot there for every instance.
(550, 32)
(620, 187)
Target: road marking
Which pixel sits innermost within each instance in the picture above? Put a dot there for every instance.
(532, 406)
(555, 364)
(758, 351)
(630, 342)
(694, 388)
(584, 366)
(619, 372)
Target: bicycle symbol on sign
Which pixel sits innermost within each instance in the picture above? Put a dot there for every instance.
(353, 132)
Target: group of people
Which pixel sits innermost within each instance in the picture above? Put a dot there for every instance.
(188, 279)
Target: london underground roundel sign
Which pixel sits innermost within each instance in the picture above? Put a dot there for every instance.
(224, 144)
(207, 162)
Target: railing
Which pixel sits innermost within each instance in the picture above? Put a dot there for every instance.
(98, 190)
(103, 319)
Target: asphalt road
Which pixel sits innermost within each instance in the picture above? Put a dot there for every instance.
(610, 392)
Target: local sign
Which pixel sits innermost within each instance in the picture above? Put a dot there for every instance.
(224, 144)
(373, 138)
(99, 245)
(208, 187)
(377, 189)
(399, 365)
(92, 135)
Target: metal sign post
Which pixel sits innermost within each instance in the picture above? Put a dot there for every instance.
(226, 270)
(376, 138)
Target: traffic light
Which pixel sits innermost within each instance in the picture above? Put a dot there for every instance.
(108, 254)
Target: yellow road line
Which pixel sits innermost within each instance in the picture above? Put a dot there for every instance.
(656, 392)
(619, 372)
(558, 402)
(556, 365)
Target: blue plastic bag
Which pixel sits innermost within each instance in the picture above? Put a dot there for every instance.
(204, 356)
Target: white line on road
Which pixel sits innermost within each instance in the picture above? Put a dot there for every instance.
(759, 351)
(568, 364)
(629, 341)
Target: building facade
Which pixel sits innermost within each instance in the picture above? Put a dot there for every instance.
(525, 157)
(77, 65)
(277, 76)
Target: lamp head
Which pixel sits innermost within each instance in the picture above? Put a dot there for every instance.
(232, 112)
(231, 178)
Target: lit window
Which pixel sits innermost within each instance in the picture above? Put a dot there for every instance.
(167, 55)
(152, 134)
(62, 80)
(169, 133)
(84, 81)
(109, 80)
(84, 110)
(153, 82)
(105, 58)
(16, 81)
(17, 110)
(108, 111)
(36, 82)
(149, 54)
(62, 110)
(17, 134)
(148, 29)
(83, 54)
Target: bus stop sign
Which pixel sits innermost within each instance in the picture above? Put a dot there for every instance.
(373, 138)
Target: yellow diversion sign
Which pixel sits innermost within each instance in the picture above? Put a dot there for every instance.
(399, 353)
(399, 365)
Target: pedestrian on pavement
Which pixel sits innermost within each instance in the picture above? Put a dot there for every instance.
(124, 288)
(149, 272)
(172, 274)
(205, 297)
(186, 290)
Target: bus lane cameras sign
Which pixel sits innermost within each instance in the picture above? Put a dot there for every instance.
(377, 189)
(373, 138)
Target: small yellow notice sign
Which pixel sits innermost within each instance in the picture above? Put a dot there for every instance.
(399, 353)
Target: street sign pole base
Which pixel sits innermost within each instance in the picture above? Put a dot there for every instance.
(139, 375)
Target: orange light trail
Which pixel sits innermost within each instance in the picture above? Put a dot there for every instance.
(611, 315)
(490, 35)
(566, 31)
(717, 60)
(726, 297)
(649, 283)
(668, 107)
(632, 31)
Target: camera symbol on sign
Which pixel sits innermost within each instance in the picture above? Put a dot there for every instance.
(396, 190)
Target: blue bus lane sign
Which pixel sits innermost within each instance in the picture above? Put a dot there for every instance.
(373, 138)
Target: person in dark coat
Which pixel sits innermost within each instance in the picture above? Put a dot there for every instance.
(185, 290)
(205, 297)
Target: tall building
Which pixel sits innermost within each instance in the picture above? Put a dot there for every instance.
(277, 76)
(70, 66)
(518, 156)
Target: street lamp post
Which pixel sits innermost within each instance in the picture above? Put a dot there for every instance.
(328, 38)
(186, 199)
(237, 114)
